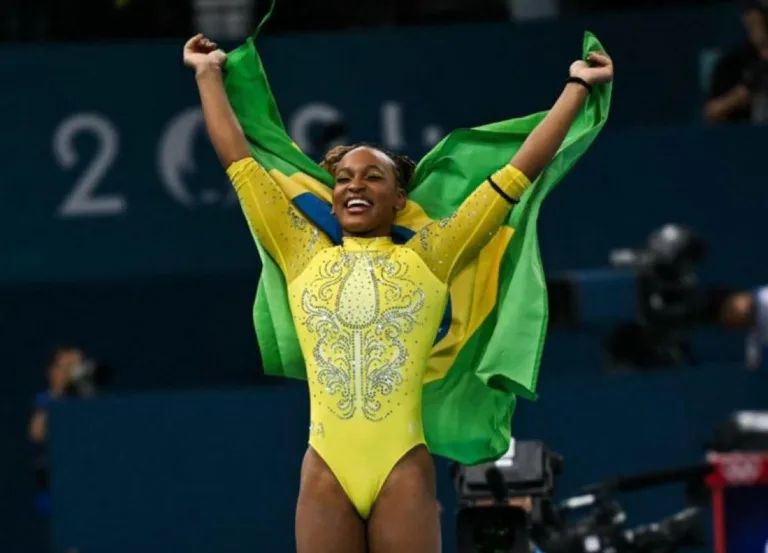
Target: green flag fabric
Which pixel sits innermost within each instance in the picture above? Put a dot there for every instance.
(489, 349)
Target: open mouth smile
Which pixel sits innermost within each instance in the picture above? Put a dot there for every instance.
(356, 206)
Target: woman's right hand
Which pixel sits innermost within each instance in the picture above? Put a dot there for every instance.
(200, 53)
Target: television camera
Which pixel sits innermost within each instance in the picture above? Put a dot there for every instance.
(651, 299)
(507, 506)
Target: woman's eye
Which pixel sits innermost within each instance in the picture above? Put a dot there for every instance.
(342, 180)
(374, 177)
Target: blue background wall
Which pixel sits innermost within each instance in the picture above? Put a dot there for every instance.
(159, 277)
(119, 124)
(204, 471)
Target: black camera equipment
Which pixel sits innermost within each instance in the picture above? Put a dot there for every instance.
(86, 378)
(492, 517)
(666, 269)
(742, 431)
(669, 298)
(651, 300)
(604, 528)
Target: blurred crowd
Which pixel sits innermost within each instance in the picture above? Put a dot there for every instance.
(22, 20)
(737, 92)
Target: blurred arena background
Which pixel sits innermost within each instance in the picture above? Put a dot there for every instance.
(135, 415)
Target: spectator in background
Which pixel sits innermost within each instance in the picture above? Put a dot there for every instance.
(739, 87)
(61, 367)
(748, 310)
(60, 371)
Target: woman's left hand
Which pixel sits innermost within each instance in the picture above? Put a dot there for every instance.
(596, 70)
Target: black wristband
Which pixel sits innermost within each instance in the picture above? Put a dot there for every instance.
(579, 80)
(503, 194)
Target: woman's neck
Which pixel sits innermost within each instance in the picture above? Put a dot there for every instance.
(377, 233)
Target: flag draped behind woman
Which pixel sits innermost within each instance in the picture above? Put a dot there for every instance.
(488, 348)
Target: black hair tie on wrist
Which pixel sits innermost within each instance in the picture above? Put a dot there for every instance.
(582, 82)
(503, 194)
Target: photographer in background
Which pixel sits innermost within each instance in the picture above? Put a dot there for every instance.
(59, 380)
(749, 311)
(70, 374)
(739, 87)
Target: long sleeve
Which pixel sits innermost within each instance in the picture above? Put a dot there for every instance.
(447, 245)
(286, 234)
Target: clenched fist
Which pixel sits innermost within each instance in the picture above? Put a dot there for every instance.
(200, 53)
(596, 70)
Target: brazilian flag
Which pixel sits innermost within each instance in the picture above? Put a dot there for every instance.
(488, 349)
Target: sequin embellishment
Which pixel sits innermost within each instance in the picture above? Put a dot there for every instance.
(360, 351)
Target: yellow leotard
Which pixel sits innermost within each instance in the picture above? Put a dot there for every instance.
(366, 314)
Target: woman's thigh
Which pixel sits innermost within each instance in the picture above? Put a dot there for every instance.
(405, 517)
(326, 521)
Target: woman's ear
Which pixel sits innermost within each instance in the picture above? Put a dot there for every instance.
(402, 199)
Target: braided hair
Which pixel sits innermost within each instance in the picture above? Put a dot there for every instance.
(404, 166)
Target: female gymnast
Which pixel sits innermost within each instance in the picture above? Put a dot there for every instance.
(367, 311)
